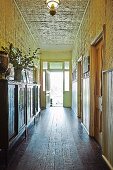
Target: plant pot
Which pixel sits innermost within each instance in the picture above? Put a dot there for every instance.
(17, 74)
(4, 61)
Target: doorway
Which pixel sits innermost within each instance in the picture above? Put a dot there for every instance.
(56, 89)
(59, 73)
(96, 89)
(98, 92)
(80, 90)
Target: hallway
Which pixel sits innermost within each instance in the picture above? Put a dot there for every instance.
(57, 142)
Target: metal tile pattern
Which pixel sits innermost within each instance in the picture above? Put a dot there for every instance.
(53, 32)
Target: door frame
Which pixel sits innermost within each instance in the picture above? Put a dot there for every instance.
(100, 37)
(80, 89)
(43, 93)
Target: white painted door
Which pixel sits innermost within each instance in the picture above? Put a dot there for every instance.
(67, 96)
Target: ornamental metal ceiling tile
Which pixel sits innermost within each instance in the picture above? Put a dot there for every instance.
(53, 32)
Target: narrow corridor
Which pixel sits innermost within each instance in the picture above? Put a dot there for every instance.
(57, 142)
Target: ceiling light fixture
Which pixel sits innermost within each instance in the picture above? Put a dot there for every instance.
(52, 5)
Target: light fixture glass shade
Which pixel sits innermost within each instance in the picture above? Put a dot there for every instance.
(51, 3)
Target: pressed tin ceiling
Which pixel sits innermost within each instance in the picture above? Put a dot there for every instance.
(53, 32)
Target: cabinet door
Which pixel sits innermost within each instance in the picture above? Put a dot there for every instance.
(21, 107)
(29, 98)
(12, 116)
(36, 99)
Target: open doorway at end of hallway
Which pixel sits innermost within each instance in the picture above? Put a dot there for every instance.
(56, 88)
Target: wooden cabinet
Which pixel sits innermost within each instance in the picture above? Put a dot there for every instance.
(12, 116)
(4, 116)
(19, 105)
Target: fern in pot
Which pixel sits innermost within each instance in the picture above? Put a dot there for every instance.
(20, 61)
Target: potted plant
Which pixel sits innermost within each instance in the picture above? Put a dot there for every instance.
(4, 61)
(20, 61)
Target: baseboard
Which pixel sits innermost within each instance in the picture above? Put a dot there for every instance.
(108, 163)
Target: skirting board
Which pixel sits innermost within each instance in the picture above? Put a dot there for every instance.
(107, 162)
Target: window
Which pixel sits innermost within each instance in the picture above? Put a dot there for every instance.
(55, 65)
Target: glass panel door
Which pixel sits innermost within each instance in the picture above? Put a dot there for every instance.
(67, 96)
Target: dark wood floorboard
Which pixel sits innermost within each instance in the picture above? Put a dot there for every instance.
(57, 142)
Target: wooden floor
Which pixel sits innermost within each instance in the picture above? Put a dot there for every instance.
(57, 142)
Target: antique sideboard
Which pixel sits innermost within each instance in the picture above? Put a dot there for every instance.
(19, 107)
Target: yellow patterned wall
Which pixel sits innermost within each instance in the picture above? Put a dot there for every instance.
(91, 26)
(98, 14)
(13, 28)
(108, 60)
